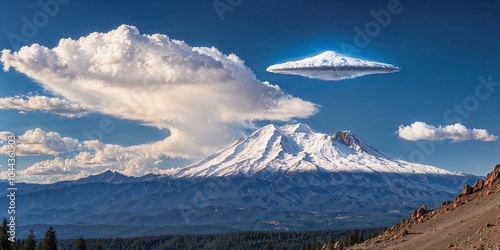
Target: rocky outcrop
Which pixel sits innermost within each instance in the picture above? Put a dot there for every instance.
(331, 246)
(338, 246)
(493, 177)
(419, 212)
(467, 190)
(478, 185)
(346, 138)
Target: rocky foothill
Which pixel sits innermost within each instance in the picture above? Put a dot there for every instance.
(470, 221)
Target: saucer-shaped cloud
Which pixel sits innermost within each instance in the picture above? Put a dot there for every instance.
(332, 66)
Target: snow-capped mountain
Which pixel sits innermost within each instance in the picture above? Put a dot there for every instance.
(333, 66)
(297, 148)
(278, 178)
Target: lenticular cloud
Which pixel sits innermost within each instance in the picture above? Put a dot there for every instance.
(202, 96)
(332, 66)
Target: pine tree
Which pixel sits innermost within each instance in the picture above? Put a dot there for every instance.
(4, 236)
(50, 240)
(353, 237)
(373, 234)
(80, 244)
(30, 243)
(16, 245)
(330, 244)
(269, 246)
(99, 247)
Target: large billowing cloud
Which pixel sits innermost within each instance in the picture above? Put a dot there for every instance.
(332, 66)
(205, 98)
(43, 103)
(456, 132)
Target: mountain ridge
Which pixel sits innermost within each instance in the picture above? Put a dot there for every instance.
(278, 178)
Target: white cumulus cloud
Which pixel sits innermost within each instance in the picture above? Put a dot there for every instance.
(203, 97)
(43, 103)
(90, 157)
(456, 132)
(39, 142)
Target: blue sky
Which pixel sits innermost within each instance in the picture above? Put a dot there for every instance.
(441, 47)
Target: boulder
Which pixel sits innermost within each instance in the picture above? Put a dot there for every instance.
(478, 185)
(421, 211)
(467, 190)
(402, 233)
(338, 246)
(491, 177)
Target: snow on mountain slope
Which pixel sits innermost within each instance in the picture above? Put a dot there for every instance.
(332, 66)
(278, 178)
(297, 148)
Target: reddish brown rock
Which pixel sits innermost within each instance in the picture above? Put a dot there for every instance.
(467, 190)
(493, 176)
(421, 211)
(403, 233)
(478, 185)
(445, 203)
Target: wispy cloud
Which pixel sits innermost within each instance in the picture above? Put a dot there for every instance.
(456, 132)
(205, 98)
(43, 103)
(332, 66)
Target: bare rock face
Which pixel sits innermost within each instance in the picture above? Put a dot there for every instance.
(467, 190)
(493, 176)
(478, 185)
(345, 137)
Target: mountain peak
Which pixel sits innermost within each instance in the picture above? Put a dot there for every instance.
(297, 148)
(107, 176)
(296, 128)
(346, 137)
(329, 53)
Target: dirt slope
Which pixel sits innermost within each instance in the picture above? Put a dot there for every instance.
(471, 221)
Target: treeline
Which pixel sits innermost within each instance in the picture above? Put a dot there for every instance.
(268, 240)
(275, 240)
(49, 242)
